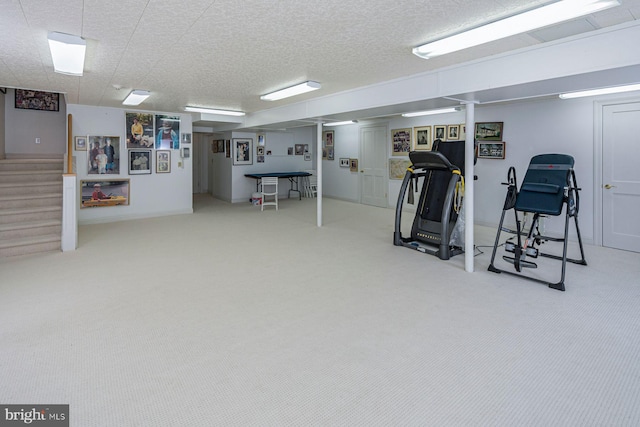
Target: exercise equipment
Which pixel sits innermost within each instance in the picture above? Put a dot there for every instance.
(549, 186)
(439, 202)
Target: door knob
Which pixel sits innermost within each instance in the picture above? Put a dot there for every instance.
(609, 186)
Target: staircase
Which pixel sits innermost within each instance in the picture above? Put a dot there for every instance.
(30, 206)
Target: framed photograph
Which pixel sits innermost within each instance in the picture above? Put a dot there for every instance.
(491, 150)
(186, 138)
(260, 158)
(299, 149)
(242, 151)
(290, 151)
(37, 100)
(104, 193)
(453, 132)
(422, 138)
(260, 151)
(463, 132)
(139, 130)
(104, 155)
(439, 132)
(330, 153)
(489, 131)
(353, 165)
(344, 162)
(221, 146)
(398, 168)
(227, 144)
(400, 142)
(185, 152)
(167, 132)
(262, 139)
(307, 156)
(139, 162)
(81, 143)
(327, 138)
(163, 161)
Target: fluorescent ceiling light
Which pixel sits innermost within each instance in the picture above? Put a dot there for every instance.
(136, 97)
(214, 111)
(547, 15)
(431, 112)
(67, 53)
(291, 91)
(346, 122)
(603, 91)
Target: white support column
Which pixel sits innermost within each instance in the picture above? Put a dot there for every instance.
(69, 213)
(319, 173)
(469, 155)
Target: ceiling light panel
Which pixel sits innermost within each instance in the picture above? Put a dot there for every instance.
(537, 18)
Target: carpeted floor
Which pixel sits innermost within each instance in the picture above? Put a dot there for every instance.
(235, 317)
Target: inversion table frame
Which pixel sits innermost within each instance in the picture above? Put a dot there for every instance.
(548, 186)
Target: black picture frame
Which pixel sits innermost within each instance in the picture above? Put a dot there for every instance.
(36, 100)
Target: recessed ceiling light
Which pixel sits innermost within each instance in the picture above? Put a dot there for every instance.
(67, 53)
(603, 91)
(136, 97)
(214, 111)
(346, 122)
(291, 91)
(537, 18)
(431, 112)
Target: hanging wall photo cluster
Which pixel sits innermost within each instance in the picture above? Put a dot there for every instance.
(489, 140)
(328, 145)
(146, 132)
(420, 138)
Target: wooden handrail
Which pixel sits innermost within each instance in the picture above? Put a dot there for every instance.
(69, 143)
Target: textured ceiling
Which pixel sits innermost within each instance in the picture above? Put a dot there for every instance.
(226, 53)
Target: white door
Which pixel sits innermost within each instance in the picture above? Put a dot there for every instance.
(373, 166)
(621, 176)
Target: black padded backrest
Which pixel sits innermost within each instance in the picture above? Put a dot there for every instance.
(542, 190)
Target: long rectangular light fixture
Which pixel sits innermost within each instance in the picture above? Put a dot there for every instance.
(346, 122)
(214, 111)
(67, 53)
(537, 18)
(431, 112)
(291, 91)
(603, 91)
(136, 97)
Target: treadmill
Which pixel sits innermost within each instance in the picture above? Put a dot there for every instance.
(440, 173)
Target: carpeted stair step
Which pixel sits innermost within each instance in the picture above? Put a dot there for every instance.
(31, 164)
(30, 214)
(19, 230)
(29, 245)
(25, 188)
(30, 201)
(47, 175)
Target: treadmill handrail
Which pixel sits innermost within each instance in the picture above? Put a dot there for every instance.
(432, 160)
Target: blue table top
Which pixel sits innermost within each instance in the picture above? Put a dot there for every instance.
(277, 174)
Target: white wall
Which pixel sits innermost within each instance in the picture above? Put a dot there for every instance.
(279, 160)
(150, 195)
(530, 128)
(22, 127)
(338, 182)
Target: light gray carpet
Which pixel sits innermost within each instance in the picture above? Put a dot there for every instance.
(236, 317)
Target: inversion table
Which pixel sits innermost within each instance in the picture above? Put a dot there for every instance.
(549, 186)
